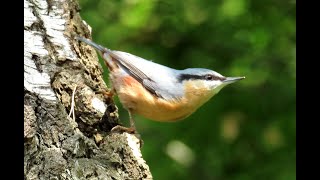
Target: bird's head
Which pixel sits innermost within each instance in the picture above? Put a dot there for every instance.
(204, 82)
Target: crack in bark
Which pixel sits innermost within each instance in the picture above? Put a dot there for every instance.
(49, 2)
(36, 60)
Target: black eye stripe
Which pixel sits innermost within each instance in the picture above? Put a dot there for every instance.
(208, 77)
(211, 77)
(188, 76)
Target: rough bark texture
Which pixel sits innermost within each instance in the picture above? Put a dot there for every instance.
(57, 146)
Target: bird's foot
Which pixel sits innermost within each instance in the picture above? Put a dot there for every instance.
(121, 129)
(106, 93)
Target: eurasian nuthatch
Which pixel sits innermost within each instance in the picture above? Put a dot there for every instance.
(158, 92)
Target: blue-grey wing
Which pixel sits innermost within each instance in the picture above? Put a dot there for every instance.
(149, 77)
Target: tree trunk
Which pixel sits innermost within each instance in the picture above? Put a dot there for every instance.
(60, 77)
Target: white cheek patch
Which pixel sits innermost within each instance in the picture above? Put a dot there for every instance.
(199, 84)
(213, 84)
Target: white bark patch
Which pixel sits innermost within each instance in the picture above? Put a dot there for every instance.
(29, 18)
(54, 24)
(134, 144)
(34, 81)
(89, 27)
(98, 105)
(55, 29)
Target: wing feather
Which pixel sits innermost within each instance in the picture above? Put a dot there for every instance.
(140, 76)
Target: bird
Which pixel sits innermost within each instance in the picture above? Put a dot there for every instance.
(155, 91)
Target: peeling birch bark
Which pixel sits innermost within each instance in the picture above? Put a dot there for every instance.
(57, 146)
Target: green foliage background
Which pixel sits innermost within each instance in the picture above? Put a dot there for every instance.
(247, 131)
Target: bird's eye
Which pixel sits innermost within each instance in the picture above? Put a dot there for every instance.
(209, 77)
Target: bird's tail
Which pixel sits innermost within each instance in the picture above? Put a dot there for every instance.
(96, 46)
(105, 53)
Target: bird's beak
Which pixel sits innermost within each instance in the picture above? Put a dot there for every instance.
(230, 80)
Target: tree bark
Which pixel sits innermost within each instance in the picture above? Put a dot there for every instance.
(61, 76)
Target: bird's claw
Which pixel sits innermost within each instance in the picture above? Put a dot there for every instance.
(121, 129)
